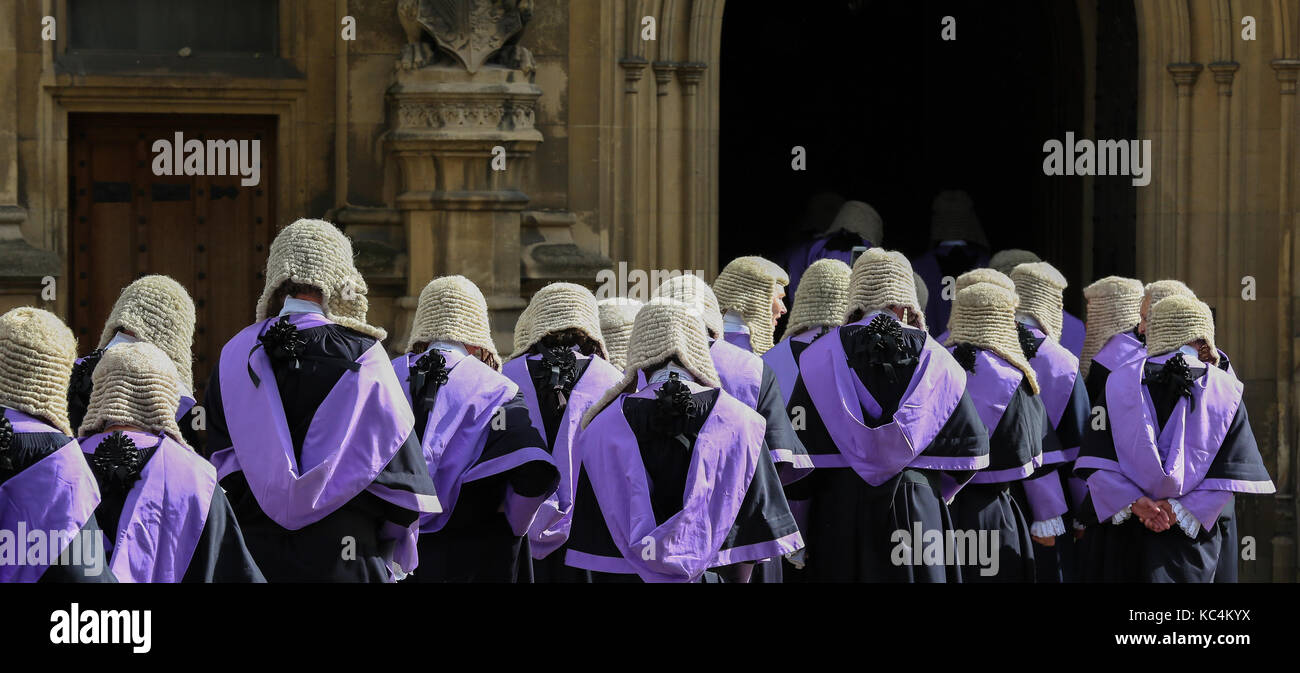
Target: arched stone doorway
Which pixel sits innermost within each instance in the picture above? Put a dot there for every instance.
(891, 114)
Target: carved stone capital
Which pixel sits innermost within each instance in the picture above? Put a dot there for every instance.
(663, 75)
(633, 69)
(690, 75)
(1185, 75)
(1223, 75)
(466, 32)
(1287, 70)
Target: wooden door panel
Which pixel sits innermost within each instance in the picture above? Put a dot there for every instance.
(208, 232)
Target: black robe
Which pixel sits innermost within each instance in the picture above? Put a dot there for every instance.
(850, 523)
(1129, 552)
(27, 449)
(764, 514)
(314, 553)
(477, 543)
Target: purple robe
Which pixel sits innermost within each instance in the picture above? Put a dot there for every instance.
(550, 528)
(1173, 461)
(739, 339)
(880, 453)
(722, 465)
(1057, 370)
(781, 360)
(741, 373)
(1072, 333)
(457, 431)
(164, 513)
(354, 434)
(1120, 349)
(805, 254)
(991, 387)
(56, 495)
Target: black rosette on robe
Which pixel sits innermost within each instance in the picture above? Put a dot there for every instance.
(557, 377)
(428, 374)
(1028, 342)
(282, 343)
(883, 347)
(964, 354)
(6, 439)
(116, 464)
(674, 408)
(1175, 378)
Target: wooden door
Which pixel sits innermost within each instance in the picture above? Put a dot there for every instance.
(208, 232)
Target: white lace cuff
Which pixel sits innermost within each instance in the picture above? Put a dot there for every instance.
(1049, 528)
(1186, 520)
(1122, 515)
(796, 558)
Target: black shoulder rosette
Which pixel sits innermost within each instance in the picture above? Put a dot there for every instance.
(82, 372)
(428, 374)
(674, 407)
(6, 439)
(1175, 376)
(559, 373)
(117, 463)
(282, 343)
(882, 345)
(1028, 342)
(965, 356)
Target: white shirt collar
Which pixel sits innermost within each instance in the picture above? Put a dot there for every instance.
(448, 346)
(660, 375)
(122, 338)
(733, 321)
(1188, 350)
(296, 305)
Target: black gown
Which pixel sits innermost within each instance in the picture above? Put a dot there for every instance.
(1129, 552)
(477, 543)
(764, 514)
(314, 553)
(27, 449)
(850, 523)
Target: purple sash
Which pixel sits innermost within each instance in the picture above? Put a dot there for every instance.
(354, 434)
(722, 465)
(1120, 349)
(991, 386)
(1172, 461)
(1072, 333)
(781, 360)
(164, 514)
(739, 340)
(740, 371)
(457, 430)
(878, 454)
(550, 529)
(57, 495)
(1056, 369)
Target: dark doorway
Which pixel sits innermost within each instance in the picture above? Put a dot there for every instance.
(891, 114)
(210, 233)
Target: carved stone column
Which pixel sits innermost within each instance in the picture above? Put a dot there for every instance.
(462, 101)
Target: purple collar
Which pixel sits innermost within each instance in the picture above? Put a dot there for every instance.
(722, 464)
(550, 529)
(740, 371)
(165, 512)
(57, 496)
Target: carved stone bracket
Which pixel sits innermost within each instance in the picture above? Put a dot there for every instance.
(663, 75)
(633, 69)
(1223, 75)
(1185, 75)
(690, 75)
(1287, 70)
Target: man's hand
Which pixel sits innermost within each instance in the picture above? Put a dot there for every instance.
(1152, 515)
